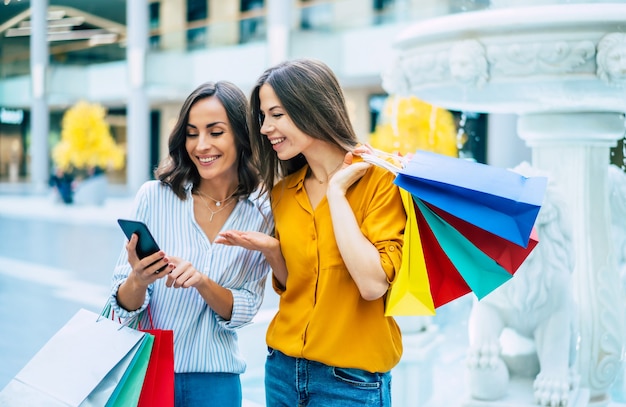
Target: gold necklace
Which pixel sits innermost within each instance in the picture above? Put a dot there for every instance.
(217, 203)
(329, 175)
(213, 213)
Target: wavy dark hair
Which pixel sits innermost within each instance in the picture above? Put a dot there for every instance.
(312, 97)
(178, 169)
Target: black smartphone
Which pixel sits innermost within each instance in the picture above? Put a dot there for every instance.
(146, 245)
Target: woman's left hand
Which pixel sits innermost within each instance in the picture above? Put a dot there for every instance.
(348, 174)
(184, 274)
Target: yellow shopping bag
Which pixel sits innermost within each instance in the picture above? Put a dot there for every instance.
(410, 292)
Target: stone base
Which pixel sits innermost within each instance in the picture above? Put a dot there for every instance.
(520, 394)
(412, 379)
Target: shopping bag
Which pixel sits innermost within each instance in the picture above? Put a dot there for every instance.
(127, 393)
(157, 389)
(481, 273)
(507, 254)
(158, 386)
(494, 199)
(83, 364)
(446, 283)
(410, 292)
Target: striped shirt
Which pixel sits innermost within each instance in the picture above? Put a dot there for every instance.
(203, 341)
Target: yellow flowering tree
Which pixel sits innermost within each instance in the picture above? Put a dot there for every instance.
(408, 124)
(86, 143)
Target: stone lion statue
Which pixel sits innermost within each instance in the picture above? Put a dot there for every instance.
(537, 304)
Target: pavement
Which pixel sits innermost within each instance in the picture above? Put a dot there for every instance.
(57, 258)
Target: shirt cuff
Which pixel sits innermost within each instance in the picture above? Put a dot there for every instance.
(117, 308)
(242, 313)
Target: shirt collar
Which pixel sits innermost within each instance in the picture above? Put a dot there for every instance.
(297, 178)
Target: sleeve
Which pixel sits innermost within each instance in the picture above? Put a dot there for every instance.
(248, 295)
(385, 220)
(122, 268)
(248, 298)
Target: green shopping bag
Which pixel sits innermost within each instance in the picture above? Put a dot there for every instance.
(128, 391)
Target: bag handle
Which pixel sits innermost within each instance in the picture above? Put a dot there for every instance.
(383, 159)
(134, 322)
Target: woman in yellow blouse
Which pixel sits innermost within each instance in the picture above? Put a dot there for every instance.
(337, 246)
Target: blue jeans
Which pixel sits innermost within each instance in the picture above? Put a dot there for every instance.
(293, 382)
(207, 390)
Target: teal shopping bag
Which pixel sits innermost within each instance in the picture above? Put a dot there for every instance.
(481, 273)
(129, 389)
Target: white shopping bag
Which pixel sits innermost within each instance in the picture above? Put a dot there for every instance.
(81, 365)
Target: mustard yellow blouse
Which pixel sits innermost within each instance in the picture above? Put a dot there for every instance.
(321, 314)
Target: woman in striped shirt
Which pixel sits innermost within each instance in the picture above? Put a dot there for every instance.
(200, 290)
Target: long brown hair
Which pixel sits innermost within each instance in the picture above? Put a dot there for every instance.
(178, 169)
(312, 97)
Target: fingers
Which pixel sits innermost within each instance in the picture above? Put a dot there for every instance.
(131, 248)
(347, 159)
(363, 149)
(226, 238)
(183, 275)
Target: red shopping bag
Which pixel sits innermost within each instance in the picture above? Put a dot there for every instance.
(158, 385)
(507, 254)
(446, 283)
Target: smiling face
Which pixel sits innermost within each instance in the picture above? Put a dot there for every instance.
(287, 139)
(210, 141)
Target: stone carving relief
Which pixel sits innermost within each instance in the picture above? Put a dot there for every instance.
(425, 68)
(536, 58)
(468, 63)
(394, 80)
(611, 59)
(537, 304)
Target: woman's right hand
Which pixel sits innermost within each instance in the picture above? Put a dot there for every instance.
(149, 269)
(248, 240)
(269, 246)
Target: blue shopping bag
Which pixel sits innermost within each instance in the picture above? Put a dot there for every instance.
(495, 199)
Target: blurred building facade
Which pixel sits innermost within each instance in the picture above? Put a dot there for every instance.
(140, 59)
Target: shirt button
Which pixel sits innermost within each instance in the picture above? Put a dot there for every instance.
(392, 248)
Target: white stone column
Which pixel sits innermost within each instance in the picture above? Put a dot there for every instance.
(226, 31)
(138, 113)
(504, 147)
(574, 148)
(278, 30)
(172, 25)
(39, 119)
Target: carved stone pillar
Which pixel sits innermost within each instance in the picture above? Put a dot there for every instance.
(562, 68)
(574, 148)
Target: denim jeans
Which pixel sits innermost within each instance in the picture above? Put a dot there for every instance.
(207, 390)
(294, 382)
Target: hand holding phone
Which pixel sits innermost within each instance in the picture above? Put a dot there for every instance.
(146, 245)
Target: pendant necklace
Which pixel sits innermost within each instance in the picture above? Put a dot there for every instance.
(217, 203)
(213, 213)
(329, 175)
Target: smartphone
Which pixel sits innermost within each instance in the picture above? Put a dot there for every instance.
(146, 245)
